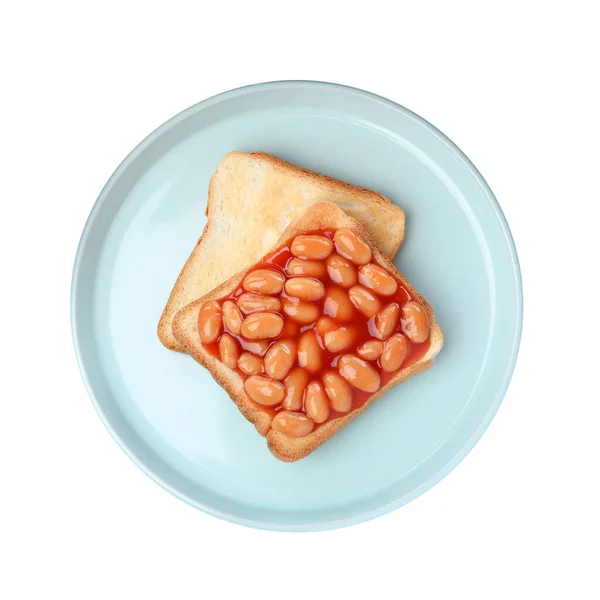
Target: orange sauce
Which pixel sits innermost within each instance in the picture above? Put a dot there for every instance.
(278, 260)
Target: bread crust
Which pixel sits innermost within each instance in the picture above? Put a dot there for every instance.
(322, 215)
(252, 194)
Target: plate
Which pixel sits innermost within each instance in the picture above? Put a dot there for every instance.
(165, 410)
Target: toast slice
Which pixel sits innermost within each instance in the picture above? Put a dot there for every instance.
(251, 199)
(185, 327)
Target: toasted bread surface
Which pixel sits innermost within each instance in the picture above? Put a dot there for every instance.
(252, 198)
(321, 215)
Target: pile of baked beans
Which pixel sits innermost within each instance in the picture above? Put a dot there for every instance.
(315, 329)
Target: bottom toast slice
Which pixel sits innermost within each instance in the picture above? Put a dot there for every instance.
(320, 216)
(251, 199)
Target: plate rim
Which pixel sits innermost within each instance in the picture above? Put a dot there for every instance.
(478, 431)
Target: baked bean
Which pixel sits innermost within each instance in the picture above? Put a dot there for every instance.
(371, 350)
(305, 268)
(359, 373)
(415, 323)
(315, 247)
(280, 358)
(326, 324)
(338, 391)
(338, 305)
(385, 321)
(378, 279)
(305, 288)
(232, 317)
(251, 364)
(262, 326)
(352, 246)
(316, 405)
(394, 353)
(209, 321)
(264, 390)
(295, 384)
(293, 424)
(309, 352)
(365, 300)
(251, 303)
(264, 281)
(229, 350)
(339, 339)
(300, 311)
(259, 347)
(341, 271)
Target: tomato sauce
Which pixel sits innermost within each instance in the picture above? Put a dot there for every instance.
(292, 330)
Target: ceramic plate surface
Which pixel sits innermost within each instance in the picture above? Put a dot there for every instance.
(165, 410)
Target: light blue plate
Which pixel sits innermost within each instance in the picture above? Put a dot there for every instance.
(165, 410)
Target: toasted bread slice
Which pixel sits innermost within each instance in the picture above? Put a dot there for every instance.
(251, 199)
(185, 326)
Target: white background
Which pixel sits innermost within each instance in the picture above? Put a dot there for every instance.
(512, 84)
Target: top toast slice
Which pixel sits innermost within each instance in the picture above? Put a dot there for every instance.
(251, 199)
(319, 216)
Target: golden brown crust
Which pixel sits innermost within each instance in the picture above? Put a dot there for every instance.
(185, 328)
(319, 216)
(165, 324)
(292, 188)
